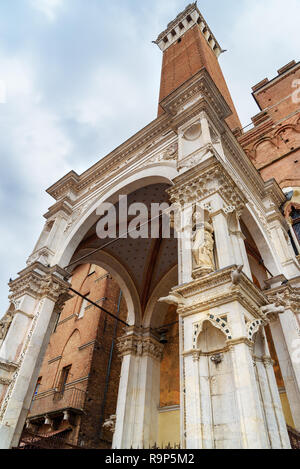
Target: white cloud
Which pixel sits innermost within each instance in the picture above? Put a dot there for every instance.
(36, 140)
(48, 7)
(261, 40)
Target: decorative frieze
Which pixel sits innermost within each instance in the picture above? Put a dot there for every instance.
(217, 289)
(134, 344)
(285, 296)
(203, 180)
(39, 281)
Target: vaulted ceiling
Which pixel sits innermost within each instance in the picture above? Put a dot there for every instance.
(146, 260)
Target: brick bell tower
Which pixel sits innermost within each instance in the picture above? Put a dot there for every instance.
(188, 45)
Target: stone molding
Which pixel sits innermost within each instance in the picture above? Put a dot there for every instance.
(240, 340)
(139, 345)
(179, 103)
(216, 321)
(217, 289)
(65, 206)
(27, 315)
(42, 256)
(203, 180)
(8, 366)
(39, 281)
(5, 381)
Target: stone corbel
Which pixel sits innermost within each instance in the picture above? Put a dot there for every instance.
(268, 362)
(110, 424)
(286, 297)
(173, 299)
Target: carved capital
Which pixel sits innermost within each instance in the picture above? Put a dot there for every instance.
(203, 180)
(39, 281)
(138, 345)
(286, 297)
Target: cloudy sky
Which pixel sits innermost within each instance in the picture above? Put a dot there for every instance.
(82, 76)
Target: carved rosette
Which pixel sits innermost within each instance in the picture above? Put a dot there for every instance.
(137, 345)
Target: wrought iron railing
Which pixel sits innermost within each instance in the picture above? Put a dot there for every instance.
(55, 401)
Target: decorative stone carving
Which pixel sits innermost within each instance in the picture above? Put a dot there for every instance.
(173, 299)
(288, 297)
(253, 327)
(170, 154)
(110, 424)
(42, 256)
(237, 275)
(217, 322)
(203, 180)
(38, 281)
(203, 247)
(193, 132)
(134, 344)
(217, 358)
(272, 310)
(5, 324)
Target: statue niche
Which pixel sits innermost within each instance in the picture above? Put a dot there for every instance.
(202, 244)
(5, 323)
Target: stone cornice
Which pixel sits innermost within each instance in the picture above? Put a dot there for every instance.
(217, 289)
(206, 179)
(130, 149)
(201, 86)
(65, 205)
(39, 281)
(62, 186)
(273, 189)
(8, 366)
(240, 340)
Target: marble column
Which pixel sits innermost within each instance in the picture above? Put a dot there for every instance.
(138, 398)
(33, 333)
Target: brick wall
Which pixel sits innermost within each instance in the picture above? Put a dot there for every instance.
(184, 59)
(273, 144)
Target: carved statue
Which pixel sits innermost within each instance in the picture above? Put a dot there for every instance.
(203, 246)
(237, 275)
(173, 299)
(273, 309)
(5, 324)
(110, 424)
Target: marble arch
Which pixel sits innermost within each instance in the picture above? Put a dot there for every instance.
(213, 171)
(122, 277)
(260, 237)
(123, 186)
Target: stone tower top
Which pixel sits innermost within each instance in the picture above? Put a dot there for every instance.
(188, 18)
(188, 45)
